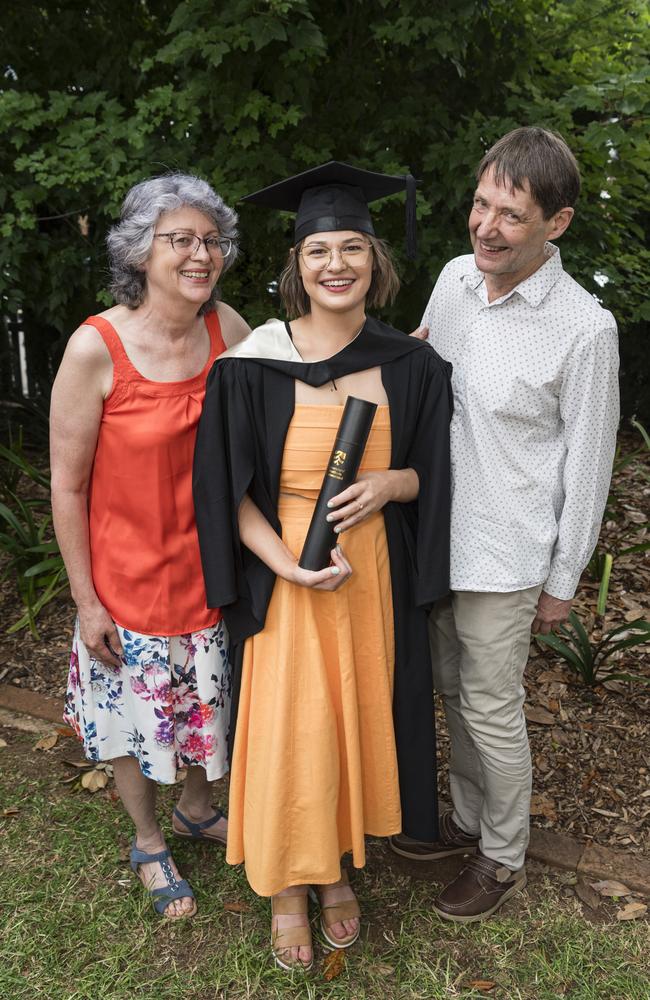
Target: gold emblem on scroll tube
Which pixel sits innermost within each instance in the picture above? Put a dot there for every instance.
(339, 457)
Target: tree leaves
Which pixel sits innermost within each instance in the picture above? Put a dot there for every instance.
(204, 87)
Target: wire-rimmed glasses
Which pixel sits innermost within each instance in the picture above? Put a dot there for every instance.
(188, 243)
(317, 256)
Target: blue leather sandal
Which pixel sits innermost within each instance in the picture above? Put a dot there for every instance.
(175, 889)
(196, 831)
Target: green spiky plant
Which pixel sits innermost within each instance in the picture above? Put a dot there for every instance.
(31, 552)
(590, 659)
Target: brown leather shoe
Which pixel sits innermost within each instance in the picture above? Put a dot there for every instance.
(452, 840)
(479, 889)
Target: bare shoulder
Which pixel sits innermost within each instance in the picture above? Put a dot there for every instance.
(233, 326)
(86, 362)
(85, 347)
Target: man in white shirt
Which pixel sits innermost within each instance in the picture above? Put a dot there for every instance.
(535, 365)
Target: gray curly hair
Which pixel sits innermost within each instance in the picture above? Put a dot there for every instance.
(130, 241)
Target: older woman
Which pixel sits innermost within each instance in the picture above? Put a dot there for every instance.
(335, 715)
(149, 685)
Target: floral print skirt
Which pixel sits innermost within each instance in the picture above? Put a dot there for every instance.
(168, 705)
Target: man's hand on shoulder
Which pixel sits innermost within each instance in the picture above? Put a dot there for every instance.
(551, 612)
(421, 333)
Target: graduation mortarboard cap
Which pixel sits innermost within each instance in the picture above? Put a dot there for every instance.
(335, 196)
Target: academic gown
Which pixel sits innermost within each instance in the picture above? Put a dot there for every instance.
(249, 404)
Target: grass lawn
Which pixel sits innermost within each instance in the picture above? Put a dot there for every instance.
(76, 925)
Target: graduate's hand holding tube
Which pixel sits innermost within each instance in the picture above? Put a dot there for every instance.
(371, 492)
(258, 535)
(330, 578)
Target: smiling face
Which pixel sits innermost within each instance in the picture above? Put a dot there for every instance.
(191, 274)
(343, 283)
(508, 232)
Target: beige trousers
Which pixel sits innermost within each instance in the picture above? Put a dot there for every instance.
(479, 649)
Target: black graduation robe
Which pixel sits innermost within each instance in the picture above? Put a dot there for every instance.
(248, 405)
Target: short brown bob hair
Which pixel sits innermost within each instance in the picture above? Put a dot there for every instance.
(383, 287)
(540, 157)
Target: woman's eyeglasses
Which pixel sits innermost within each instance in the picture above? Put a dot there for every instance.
(187, 243)
(317, 257)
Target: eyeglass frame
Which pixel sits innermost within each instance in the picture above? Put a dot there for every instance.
(331, 251)
(201, 240)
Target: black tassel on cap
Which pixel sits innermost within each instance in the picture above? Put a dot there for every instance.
(411, 224)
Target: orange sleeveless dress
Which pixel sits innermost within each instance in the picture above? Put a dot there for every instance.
(144, 545)
(314, 765)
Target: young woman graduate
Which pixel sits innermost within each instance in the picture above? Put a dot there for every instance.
(335, 735)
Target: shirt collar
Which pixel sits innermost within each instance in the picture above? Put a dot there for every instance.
(535, 288)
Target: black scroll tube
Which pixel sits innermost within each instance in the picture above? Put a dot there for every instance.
(341, 471)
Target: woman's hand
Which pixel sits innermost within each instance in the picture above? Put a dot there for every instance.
(371, 492)
(330, 578)
(99, 635)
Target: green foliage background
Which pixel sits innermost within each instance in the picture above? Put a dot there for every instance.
(98, 95)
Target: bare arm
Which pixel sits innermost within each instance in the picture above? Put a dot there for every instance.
(82, 382)
(233, 326)
(371, 492)
(257, 534)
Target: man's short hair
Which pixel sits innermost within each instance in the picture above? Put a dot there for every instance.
(540, 157)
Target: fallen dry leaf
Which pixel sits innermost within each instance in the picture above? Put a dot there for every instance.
(534, 713)
(333, 964)
(618, 687)
(484, 985)
(237, 907)
(83, 765)
(543, 805)
(11, 811)
(550, 677)
(383, 970)
(92, 781)
(610, 887)
(47, 742)
(588, 778)
(65, 731)
(632, 911)
(3, 743)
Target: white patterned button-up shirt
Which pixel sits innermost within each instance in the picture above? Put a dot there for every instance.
(534, 428)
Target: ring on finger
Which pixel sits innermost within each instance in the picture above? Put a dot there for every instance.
(360, 505)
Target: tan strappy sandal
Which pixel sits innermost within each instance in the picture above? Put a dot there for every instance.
(290, 937)
(333, 913)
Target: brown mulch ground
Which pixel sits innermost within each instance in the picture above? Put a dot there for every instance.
(590, 747)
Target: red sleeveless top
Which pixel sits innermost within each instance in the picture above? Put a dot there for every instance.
(144, 547)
